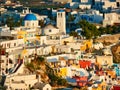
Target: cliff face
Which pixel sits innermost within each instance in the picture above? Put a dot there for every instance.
(38, 66)
(116, 53)
(107, 40)
(111, 38)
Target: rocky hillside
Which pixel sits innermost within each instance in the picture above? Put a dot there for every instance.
(40, 66)
(116, 53)
(110, 38)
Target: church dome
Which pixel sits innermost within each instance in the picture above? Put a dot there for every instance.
(30, 17)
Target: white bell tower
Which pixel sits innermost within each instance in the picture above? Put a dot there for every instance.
(61, 21)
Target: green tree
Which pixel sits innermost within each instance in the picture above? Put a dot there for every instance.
(102, 30)
(3, 88)
(62, 82)
(109, 29)
(35, 65)
(53, 79)
(30, 66)
(89, 30)
(115, 29)
(19, 22)
(40, 60)
(12, 23)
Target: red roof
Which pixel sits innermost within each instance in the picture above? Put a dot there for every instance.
(81, 81)
(84, 64)
(117, 87)
(78, 78)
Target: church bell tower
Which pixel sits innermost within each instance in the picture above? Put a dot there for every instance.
(61, 21)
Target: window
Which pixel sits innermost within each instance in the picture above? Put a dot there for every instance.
(28, 24)
(52, 63)
(50, 37)
(2, 61)
(7, 44)
(58, 14)
(118, 18)
(33, 24)
(14, 44)
(118, 4)
(108, 18)
(36, 76)
(50, 30)
(103, 3)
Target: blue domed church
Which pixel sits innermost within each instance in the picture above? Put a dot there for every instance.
(30, 21)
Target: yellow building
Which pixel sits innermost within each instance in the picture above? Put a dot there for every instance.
(37, 37)
(22, 35)
(87, 44)
(62, 72)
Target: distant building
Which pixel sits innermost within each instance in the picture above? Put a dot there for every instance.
(61, 21)
(105, 5)
(111, 19)
(62, 1)
(92, 16)
(5, 31)
(8, 2)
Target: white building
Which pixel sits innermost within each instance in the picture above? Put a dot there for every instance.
(50, 30)
(23, 82)
(92, 16)
(105, 4)
(61, 21)
(5, 31)
(109, 4)
(111, 19)
(85, 6)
